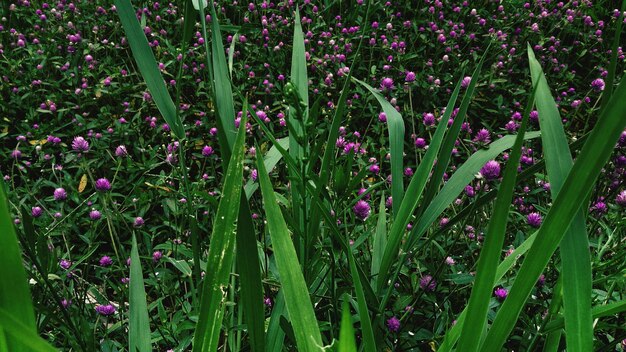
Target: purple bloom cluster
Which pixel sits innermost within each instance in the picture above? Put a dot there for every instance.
(361, 209)
(106, 310)
(491, 170)
(428, 283)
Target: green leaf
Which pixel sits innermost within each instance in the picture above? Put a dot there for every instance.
(453, 334)
(298, 116)
(148, 66)
(578, 185)
(223, 89)
(415, 189)
(221, 251)
(455, 185)
(480, 296)
(575, 257)
(139, 323)
(15, 297)
(380, 238)
(395, 125)
(347, 341)
(20, 337)
(297, 299)
(596, 313)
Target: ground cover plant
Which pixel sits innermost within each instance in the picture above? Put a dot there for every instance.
(315, 175)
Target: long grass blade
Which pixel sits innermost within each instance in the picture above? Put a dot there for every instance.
(480, 296)
(139, 323)
(347, 342)
(303, 320)
(298, 116)
(395, 125)
(453, 334)
(247, 257)
(596, 312)
(575, 257)
(443, 158)
(581, 178)
(223, 89)
(415, 189)
(462, 177)
(221, 252)
(19, 336)
(144, 57)
(610, 77)
(380, 238)
(15, 296)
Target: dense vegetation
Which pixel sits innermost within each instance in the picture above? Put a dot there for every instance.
(402, 165)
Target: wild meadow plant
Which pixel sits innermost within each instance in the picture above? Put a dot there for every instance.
(342, 249)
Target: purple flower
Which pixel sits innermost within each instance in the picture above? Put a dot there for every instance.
(491, 170)
(138, 221)
(393, 324)
(66, 303)
(106, 261)
(95, 215)
(386, 83)
(429, 119)
(80, 144)
(599, 207)
(156, 256)
(420, 143)
(427, 283)
(500, 293)
(410, 76)
(65, 264)
(105, 310)
(483, 136)
(533, 219)
(267, 301)
(361, 209)
(103, 185)
(207, 151)
(598, 84)
(254, 174)
(621, 198)
(60, 194)
(466, 81)
(382, 117)
(121, 151)
(36, 212)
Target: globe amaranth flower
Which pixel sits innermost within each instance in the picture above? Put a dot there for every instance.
(491, 170)
(65, 264)
(410, 76)
(36, 212)
(428, 283)
(386, 83)
(500, 293)
(106, 261)
(79, 144)
(103, 185)
(156, 256)
(121, 151)
(207, 150)
(94, 214)
(393, 324)
(106, 309)
(466, 81)
(533, 219)
(597, 84)
(138, 221)
(361, 209)
(620, 199)
(60, 194)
